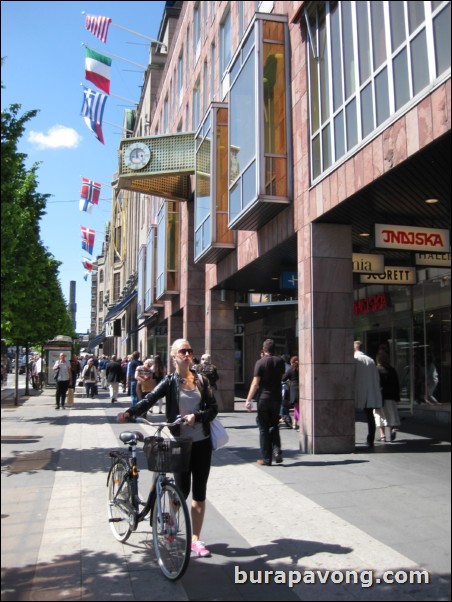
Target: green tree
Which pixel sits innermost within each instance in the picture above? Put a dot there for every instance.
(33, 306)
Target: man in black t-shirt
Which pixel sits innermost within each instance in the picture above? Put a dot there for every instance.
(268, 373)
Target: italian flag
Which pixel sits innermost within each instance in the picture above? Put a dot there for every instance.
(97, 69)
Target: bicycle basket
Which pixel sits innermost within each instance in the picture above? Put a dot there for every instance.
(169, 455)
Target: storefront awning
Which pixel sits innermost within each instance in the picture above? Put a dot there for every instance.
(93, 343)
(120, 306)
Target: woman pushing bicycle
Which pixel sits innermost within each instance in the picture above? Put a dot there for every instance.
(188, 394)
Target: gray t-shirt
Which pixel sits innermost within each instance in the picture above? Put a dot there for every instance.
(189, 402)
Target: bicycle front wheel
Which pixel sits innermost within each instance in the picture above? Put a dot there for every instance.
(120, 509)
(171, 532)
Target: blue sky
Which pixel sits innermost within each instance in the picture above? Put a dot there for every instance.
(43, 70)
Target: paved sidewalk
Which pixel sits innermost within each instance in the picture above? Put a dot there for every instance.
(381, 510)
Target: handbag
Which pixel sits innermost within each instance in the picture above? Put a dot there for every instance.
(218, 434)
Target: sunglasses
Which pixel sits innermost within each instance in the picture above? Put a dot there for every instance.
(185, 351)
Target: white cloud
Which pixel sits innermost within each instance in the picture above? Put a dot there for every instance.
(58, 136)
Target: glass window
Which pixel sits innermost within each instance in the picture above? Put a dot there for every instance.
(180, 78)
(243, 126)
(401, 80)
(336, 51)
(419, 62)
(382, 96)
(168, 249)
(378, 33)
(196, 105)
(441, 34)
(196, 32)
(367, 111)
(415, 15)
(397, 16)
(349, 55)
(225, 43)
(363, 41)
(352, 130)
(339, 139)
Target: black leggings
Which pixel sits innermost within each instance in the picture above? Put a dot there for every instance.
(198, 473)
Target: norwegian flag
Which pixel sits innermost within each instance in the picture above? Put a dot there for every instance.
(88, 239)
(87, 264)
(98, 26)
(89, 195)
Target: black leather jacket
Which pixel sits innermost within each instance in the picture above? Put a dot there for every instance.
(169, 388)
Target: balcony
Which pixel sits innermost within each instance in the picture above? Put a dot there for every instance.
(158, 165)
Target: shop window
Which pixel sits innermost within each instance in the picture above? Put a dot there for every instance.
(260, 176)
(213, 238)
(168, 250)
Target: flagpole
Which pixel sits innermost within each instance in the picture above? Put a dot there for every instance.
(140, 35)
(115, 56)
(120, 97)
(118, 126)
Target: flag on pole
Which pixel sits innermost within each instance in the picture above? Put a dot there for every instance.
(87, 264)
(93, 110)
(85, 277)
(88, 239)
(89, 195)
(98, 26)
(97, 69)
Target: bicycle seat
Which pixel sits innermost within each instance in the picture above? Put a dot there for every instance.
(131, 436)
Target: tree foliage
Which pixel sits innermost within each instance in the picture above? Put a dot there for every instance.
(33, 306)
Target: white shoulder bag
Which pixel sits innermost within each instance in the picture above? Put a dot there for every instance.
(218, 434)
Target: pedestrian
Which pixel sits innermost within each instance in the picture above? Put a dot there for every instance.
(114, 376)
(388, 415)
(103, 363)
(62, 369)
(367, 389)
(432, 381)
(209, 370)
(90, 376)
(268, 372)
(75, 371)
(41, 369)
(131, 380)
(124, 365)
(145, 379)
(189, 395)
(159, 373)
(292, 376)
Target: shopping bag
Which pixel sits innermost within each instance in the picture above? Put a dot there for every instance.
(218, 434)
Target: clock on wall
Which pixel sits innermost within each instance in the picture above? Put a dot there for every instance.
(137, 155)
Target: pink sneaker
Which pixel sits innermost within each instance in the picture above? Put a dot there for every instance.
(199, 548)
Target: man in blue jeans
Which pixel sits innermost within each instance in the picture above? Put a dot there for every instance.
(268, 373)
(131, 368)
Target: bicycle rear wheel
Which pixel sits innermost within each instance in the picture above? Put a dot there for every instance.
(120, 508)
(171, 532)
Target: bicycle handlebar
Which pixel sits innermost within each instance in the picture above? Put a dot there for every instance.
(160, 425)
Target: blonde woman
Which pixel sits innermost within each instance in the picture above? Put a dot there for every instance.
(189, 395)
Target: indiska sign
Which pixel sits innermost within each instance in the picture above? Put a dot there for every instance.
(370, 304)
(410, 238)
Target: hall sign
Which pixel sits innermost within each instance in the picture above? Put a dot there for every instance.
(410, 238)
(441, 260)
(368, 264)
(392, 275)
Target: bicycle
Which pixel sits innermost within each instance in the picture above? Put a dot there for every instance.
(166, 506)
